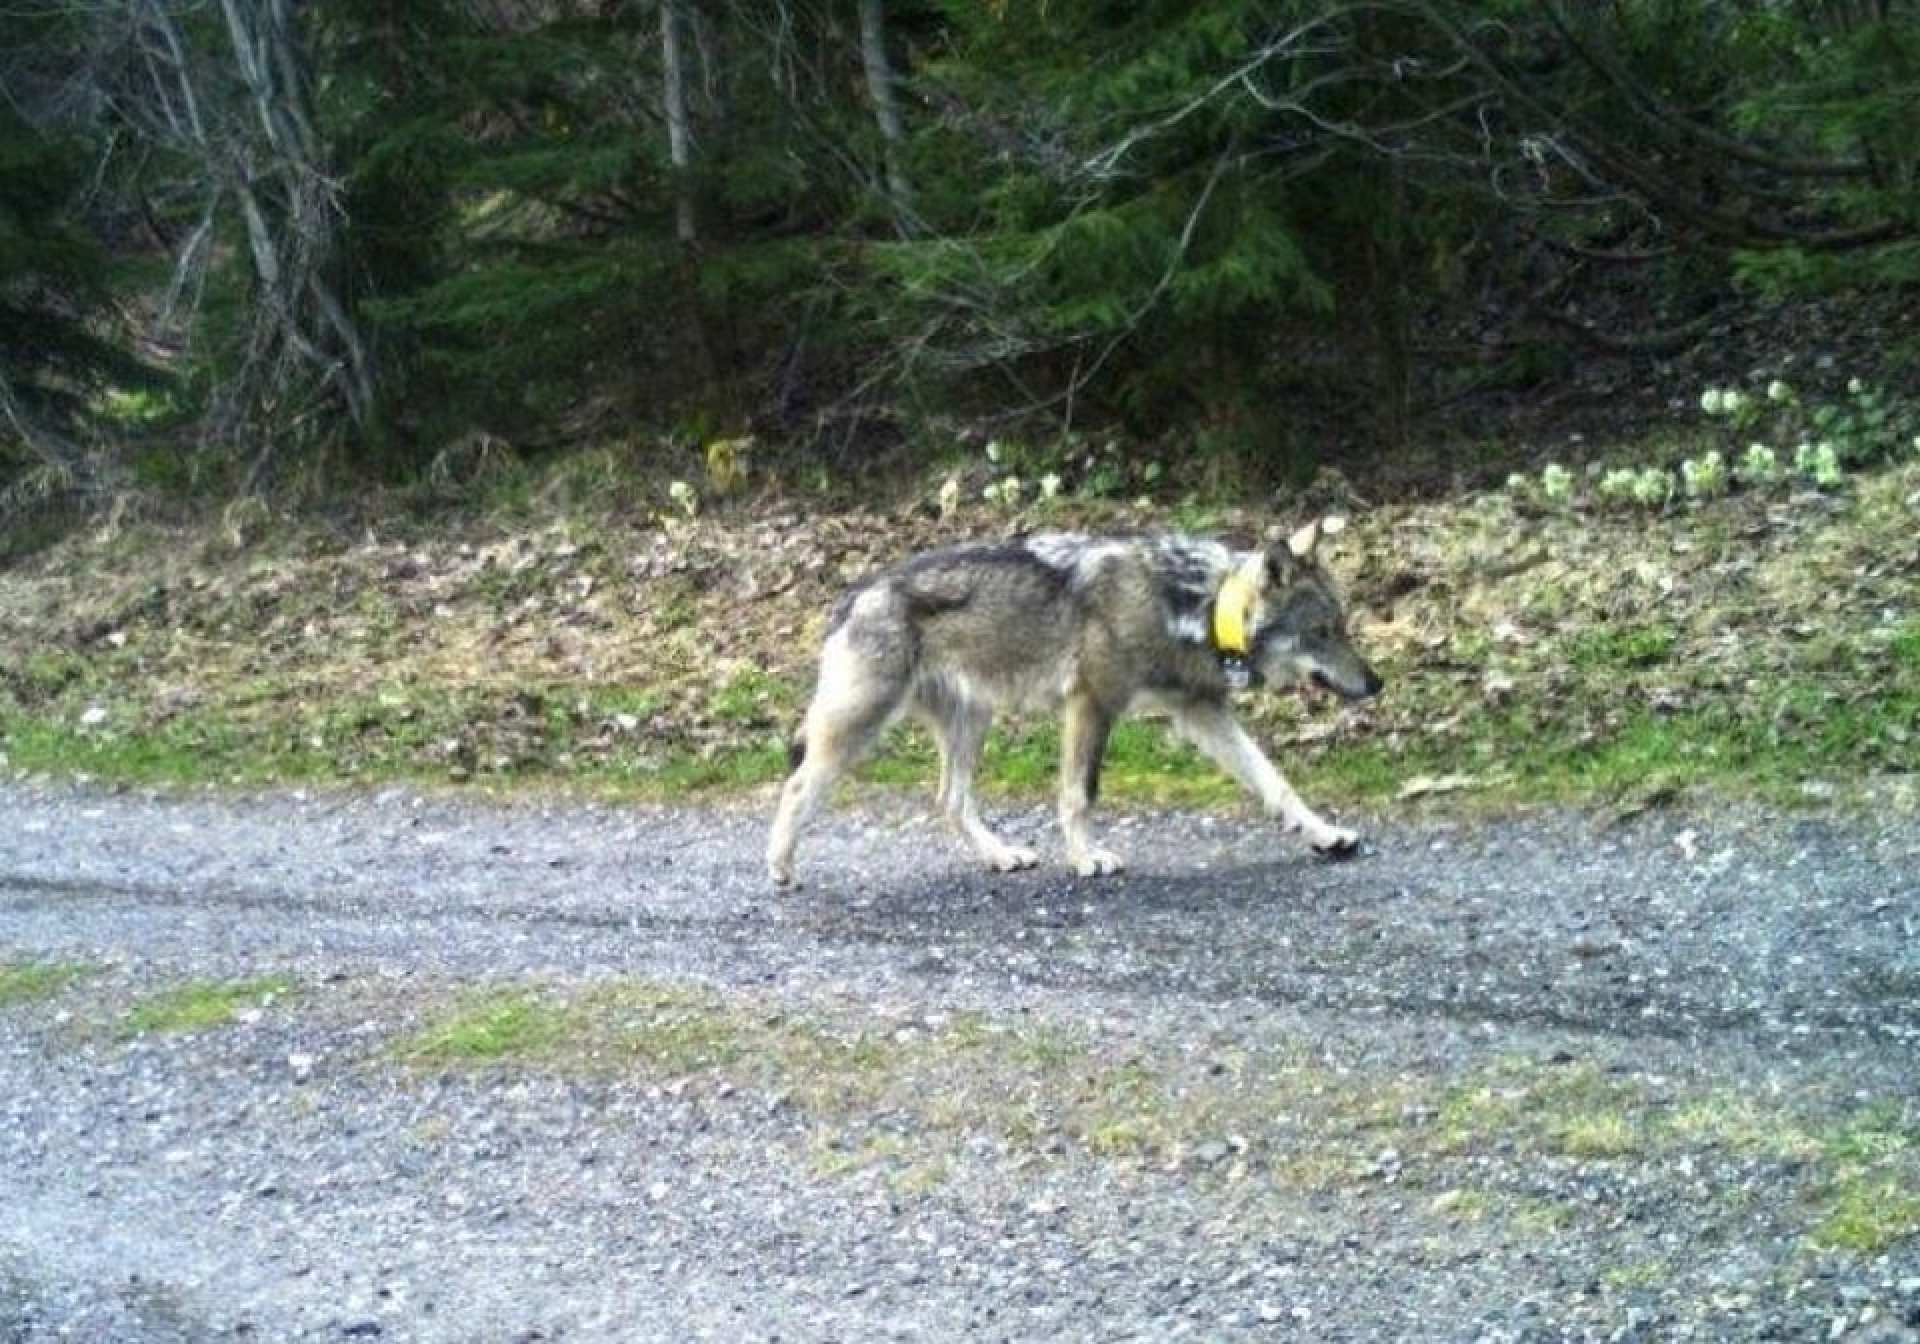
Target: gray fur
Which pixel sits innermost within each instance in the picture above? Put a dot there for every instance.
(1090, 626)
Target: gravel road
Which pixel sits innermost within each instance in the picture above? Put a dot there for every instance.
(1543, 1077)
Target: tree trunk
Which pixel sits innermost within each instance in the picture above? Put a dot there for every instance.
(686, 219)
(686, 225)
(886, 110)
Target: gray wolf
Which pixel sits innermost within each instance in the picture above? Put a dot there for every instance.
(1093, 626)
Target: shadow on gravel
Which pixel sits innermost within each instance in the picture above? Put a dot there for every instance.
(1666, 930)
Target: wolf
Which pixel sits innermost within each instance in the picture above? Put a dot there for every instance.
(1092, 627)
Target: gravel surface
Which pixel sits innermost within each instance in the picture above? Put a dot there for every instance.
(1536, 1078)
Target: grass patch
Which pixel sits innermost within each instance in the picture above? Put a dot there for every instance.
(1600, 1134)
(1871, 1181)
(1904, 647)
(265, 735)
(512, 1024)
(677, 777)
(1859, 1170)
(1027, 1084)
(619, 1026)
(1575, 1111)
(31, 981)
(1635, 1275)
(903, 1099)
(1563, 752)
(751, 698)
(1622, 646)
(43, 746)
(1807, 735)
(203, 1005)
(1741, 1124)
(1868, 1214)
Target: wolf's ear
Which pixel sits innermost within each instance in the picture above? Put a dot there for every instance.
(1307, 540)
(1282, 565)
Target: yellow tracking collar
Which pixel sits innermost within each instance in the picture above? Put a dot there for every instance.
(1232, 611)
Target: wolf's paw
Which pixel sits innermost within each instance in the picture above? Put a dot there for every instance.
(1098, 863)
(1011, 858)
(781, 875)
(1337, 843)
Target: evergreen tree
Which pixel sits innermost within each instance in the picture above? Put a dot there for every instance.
(1172, 208)
(1224, 226)
(587, 259)
(1211, 219)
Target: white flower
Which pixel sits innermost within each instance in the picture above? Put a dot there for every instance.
(1855, 387)
(1617, 484)
(1779, 391)
(1819, 463)
(1652, 486)
(1050, 485)
(1759, 466)
(1704, 477)
(1712, 400)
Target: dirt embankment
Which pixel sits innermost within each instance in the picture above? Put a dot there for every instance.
(1783, 622)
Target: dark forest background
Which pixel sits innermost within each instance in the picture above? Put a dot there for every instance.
(263, 246)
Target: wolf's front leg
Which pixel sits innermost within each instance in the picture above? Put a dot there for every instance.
(1215, 731)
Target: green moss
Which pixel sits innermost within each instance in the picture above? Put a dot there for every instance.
(487, 1027)
(202, 1005)
(1868, 1213)
(1623, 646)
(30, 981)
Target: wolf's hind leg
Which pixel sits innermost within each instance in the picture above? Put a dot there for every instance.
(850, 709)
(960, 729)
(1215, 731)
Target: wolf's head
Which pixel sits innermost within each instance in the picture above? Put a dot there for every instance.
(1296, 625)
